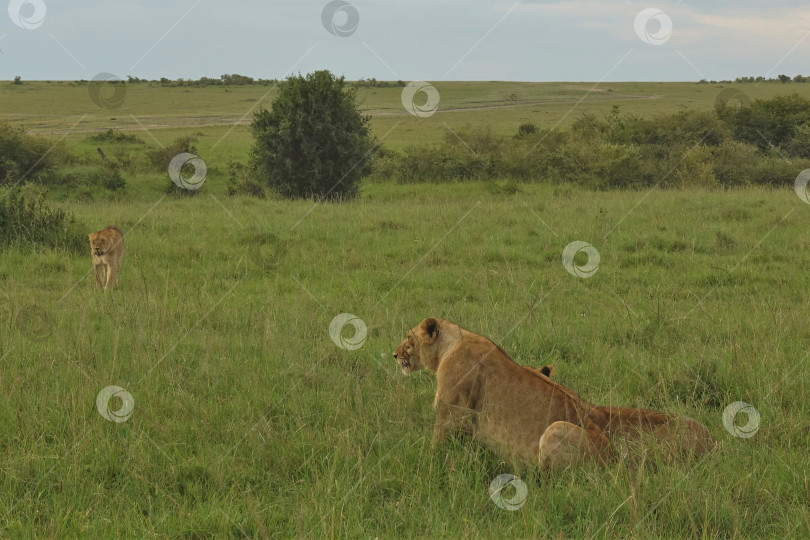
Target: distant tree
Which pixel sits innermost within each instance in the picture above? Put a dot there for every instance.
(17, 80)
(236, 80)
(313, 142)
(784, 79)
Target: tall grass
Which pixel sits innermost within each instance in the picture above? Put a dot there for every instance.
(250, 421)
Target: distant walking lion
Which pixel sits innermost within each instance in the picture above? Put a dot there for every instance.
(107, 247)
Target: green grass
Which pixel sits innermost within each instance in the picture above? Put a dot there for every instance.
(210, 113)
(250, 421)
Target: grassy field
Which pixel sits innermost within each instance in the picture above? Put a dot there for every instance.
(219, 116)
(249, 421)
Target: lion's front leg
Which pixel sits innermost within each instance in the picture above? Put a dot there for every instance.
(444, 423)
(97, 269)
(564, 444)
(112, 275)
(450, 418)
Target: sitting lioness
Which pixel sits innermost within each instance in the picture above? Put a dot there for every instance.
(520, 412)
(107, 249)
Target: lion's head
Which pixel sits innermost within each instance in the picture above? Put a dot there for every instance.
(100, 242)
(418, 349)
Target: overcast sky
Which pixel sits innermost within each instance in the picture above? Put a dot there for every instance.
(432, 40)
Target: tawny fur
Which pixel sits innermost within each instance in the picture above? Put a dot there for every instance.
(521, 413)
(107, 249)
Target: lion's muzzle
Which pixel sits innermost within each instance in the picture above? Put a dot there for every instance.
(403, 362)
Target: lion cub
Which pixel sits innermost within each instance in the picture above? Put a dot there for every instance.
(107, 247)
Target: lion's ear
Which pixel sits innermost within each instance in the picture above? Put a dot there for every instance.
(430, 330)
(548, 371)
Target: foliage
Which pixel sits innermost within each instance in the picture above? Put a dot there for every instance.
(25, 220)
(242, 180)
(313, 142)
(685, 148)
(115, 136)
(768, 123)
(23, 157)
(161, 157)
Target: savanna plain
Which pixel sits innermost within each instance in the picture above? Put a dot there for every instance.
(249, 420)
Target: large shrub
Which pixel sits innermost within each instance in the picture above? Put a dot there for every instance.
(25, 220)
(161, 157)
(23, 157)
(313, 142)
(768, 123)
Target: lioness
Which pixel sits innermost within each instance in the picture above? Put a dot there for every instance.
(107, 248)
(521, 412)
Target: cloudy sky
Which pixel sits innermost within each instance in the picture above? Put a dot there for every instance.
(433, 40)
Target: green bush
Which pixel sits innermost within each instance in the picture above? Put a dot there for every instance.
(526, 129)
(25, 220)
(160, 158)
(769, 122)
(799, 144)
(313, 142)
(242, 180)
(115, 136)
(109, 176)
(687, 148)
(87, 178)
(23, 157)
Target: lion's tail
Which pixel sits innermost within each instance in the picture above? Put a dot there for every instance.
(623, 418)
(680, 431)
